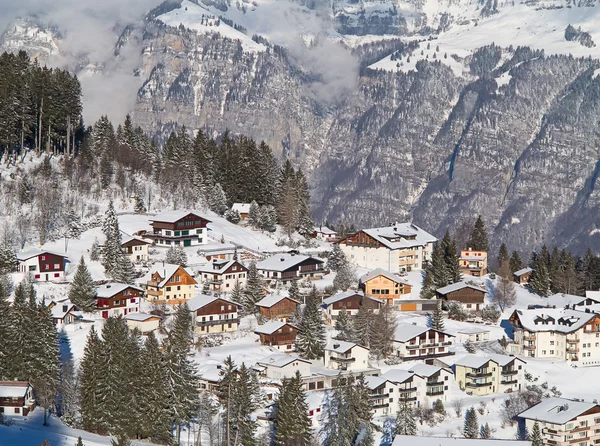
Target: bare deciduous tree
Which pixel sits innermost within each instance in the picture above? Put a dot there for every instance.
(504, 294)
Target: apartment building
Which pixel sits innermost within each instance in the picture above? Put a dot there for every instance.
(396, 248)
(564, 422)
(402, 440)
(485, 375)
(413, 342)
(557, 333)
(347, 356)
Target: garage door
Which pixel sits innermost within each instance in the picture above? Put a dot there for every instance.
(408, 307)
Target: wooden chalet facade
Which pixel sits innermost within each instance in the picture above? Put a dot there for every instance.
(172, 284)
(351, 301)
(16, 398)
(179, 228)
(274, 306)
(136, 249)
(43, 265)
(470, 297)
(285, 268)
(385, 286)
(118, 299)
(281, 335)
(523, 275)
(214, 315)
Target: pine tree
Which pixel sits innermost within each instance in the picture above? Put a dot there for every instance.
(540, 282)
(383, 331)
(95, 251)
(438, 270)
(254, 215)
(90, 379)
(225, 394)
(291, 422)
(344, 327)
(112, 246)
(406, 423)
(436, 319)
(536, 436)
(246, 399)
(233, 216)
(217, 201)
(360, 407)
(294, 291)
(176, 255)
(503, 255)
(515, 262)
(124, 271)
(471, 428)
(82, 290)
(6, 333)
(237, 293)
(345, 278)
(428, 288)
(254, 290)
(336, 258)
(363, 326)
(139, 207)
(23, 339)
(479, 238)
(450, 254)
(79, 442)
(335, 430)
(485, 432)
(8, 259)
(310, 341)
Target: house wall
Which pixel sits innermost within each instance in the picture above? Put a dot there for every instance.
(284, 339)
(144, 326)
(282, 309)
(45, 267)
(137, 252)
(226, 281)
(180, 288)
(288, 371)
(469, 298)
(585, 428)
(352, 305)
(219, 316)
(429, 344)
(473, 337)
(386, 289)
(359, 355)
(20, 406)
(121, 304)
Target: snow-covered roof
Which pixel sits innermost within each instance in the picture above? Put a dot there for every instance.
(374, 382)
(270, 327)
(13, 389)
(242, 208)
(346, 294)
(174, 216)
(110, 289)
(557, 410)
(60, 310)
(397, 236)
(402, 440)
(458, 286)
(405, 332)
(280, 360)
(166, 271)
(473, 330)
(381, 272)
(282, 262)
(204, 299)
(131, 238)
(141, 317)
(340, 346)
(562, 300)
(210, 372)
(26, 255)
(475, 362)
(425, 370)
(218, 267)
(324, 230)
(553, 319)
(593, 294)
(272, 299)
(523, 271)
(397, 375)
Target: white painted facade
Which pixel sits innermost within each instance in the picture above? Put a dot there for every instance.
(346, 356)
(282, 366)
(409, 345)
(169, 237)
(145, 323)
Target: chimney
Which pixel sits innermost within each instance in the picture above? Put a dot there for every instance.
(336, 345)
(282, 259)
(108, 285)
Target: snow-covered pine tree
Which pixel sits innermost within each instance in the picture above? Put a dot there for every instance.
(82, 290)
(291, 422)
(540, 281)
(436, 319)
(124, 271)
(79, 442)
(23, 339)
(294, 291)
(254, 215)
(138, 206)
(95, 251)
(8, 259)
(310, 341)
(428, 288)
(246, 398)
(335, 430)
(336, 258)
(344, 327)
(486, 431)
(383, 331)
(536, 435)
(153, 382)
(237, 293)
(217, 201)
(176, 255)
(226, 394)
(363, 326)
(233, 216)
(112, 246)
(74, 226)
(254, 290)
(6, 333)
(450, 254)
(360, 415)
(479, 238)
(345, 277)
(437, 268)
(471, 428)
(90, 379)
(515, 262)
(406, 422)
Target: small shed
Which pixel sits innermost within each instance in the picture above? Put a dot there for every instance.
(145, 323)
(469, 296)
(474, 334)
(523, 275)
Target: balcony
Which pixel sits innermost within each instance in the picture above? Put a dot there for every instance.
(572, 349)
(507, 383)
(509, 372)
(529, 347)
(529, 337)
(435, 383)
(434, 393)
(380, 406)
(217, 322)
(475, 385)
(478, 375)
(572, 341)
(379, 395)
(545, 430)
(342, 359)
(408, 390)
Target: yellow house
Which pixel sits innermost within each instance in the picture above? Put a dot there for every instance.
(485, 375)
(473, 263)
(384, 285)
(172, 284)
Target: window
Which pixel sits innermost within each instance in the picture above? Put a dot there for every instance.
(199, 231)
(167, 232)
(178, 287)
(17, 410)
(32, 268)
(168, 288)
(177, 278)
(37, 276)
(177, 233)
(43, 257)
(56, 274)
(132, 301)
(117, 302)
(551, 352)
(552, 343)
(543, 352)
(46, 267)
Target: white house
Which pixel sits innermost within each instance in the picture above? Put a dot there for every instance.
(281, 366)
(485, 375)
(397, 248)
(473, 334)
(16, 398)
(436, 380)
(222, 275)
(144, 322)
(405, 440)
(564, 422)
(557, 333)
(136, 248)
(179, 228)
(63, 313)
(347, 356)
(324, 233)
(287, 267)
(43, 265)
(413, 341)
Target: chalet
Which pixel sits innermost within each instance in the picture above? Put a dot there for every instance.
(473, 263)
(179, 228)
(351, 301)
(485, 375)
(170, 283)
(401, 440)
(214, 314)
(143, 322)
(222, 275)
(473, 334)
(384, 285)
(282, 366)
(557, 333)
(284, 268)
(118, 299)
(413, 342)
(62, 313)
(563, 422)
(347, 356)
(136, 248)
(43, 265)
(396, 248)
(276, 306)
(470, 297)
(281, 335)
(16, 398)
(523, 275)
(243, 209)
(209, 376)
(324, 233)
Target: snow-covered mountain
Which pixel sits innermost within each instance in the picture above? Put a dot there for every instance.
(397, 109)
